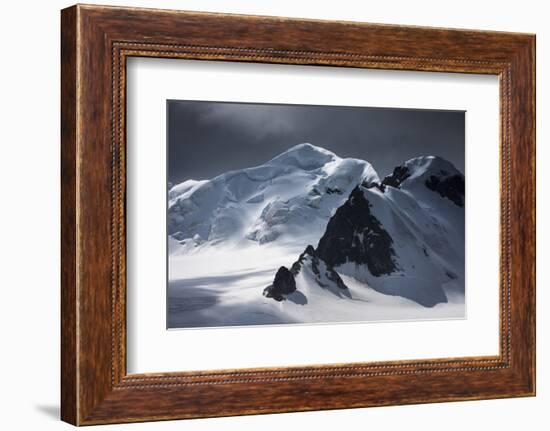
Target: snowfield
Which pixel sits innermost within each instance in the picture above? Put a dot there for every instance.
(229, 236)
(224, 287)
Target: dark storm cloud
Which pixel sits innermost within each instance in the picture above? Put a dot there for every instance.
(208, 138)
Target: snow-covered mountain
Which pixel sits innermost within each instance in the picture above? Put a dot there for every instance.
(290, 198)
(310, 237)
(402, 236)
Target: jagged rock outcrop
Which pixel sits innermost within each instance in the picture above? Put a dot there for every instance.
(324, 275)
(400, 174)
(283, 285)
(450, 187)
(355, 235)
(310, 270)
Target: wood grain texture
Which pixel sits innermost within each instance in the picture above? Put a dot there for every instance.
(69, 397)
(96, 41)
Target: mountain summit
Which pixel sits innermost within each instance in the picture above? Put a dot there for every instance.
(304, 156)
(288, 198)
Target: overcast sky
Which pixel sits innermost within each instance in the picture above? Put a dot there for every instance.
(206, 139)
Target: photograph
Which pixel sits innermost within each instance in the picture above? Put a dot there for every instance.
(306, 214)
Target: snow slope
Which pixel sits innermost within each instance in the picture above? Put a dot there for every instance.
(229, 293)
(289, 198)
(424, 214)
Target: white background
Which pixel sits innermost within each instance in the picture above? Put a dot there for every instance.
(152, 349)
(29, 224)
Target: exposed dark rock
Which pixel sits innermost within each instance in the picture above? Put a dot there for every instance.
(451, 187)
(297, 266)
(333, 276)
(314, 192)
(400, 174)
(334, 190)
(283, 284)
(354, 234)
(178, 236)
(373, 184)
(309, 250)
(316, 266)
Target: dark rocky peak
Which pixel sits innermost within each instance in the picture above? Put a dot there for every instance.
(333, 190)
(297, 266)
(283, 284)
(450, 187)
(354, 234)
(400, 174)
(309, 250)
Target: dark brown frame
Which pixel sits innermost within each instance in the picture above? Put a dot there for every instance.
(95, 43)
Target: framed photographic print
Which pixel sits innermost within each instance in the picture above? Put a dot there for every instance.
(267, 215)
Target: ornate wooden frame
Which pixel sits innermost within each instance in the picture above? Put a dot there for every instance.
(95, 43)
